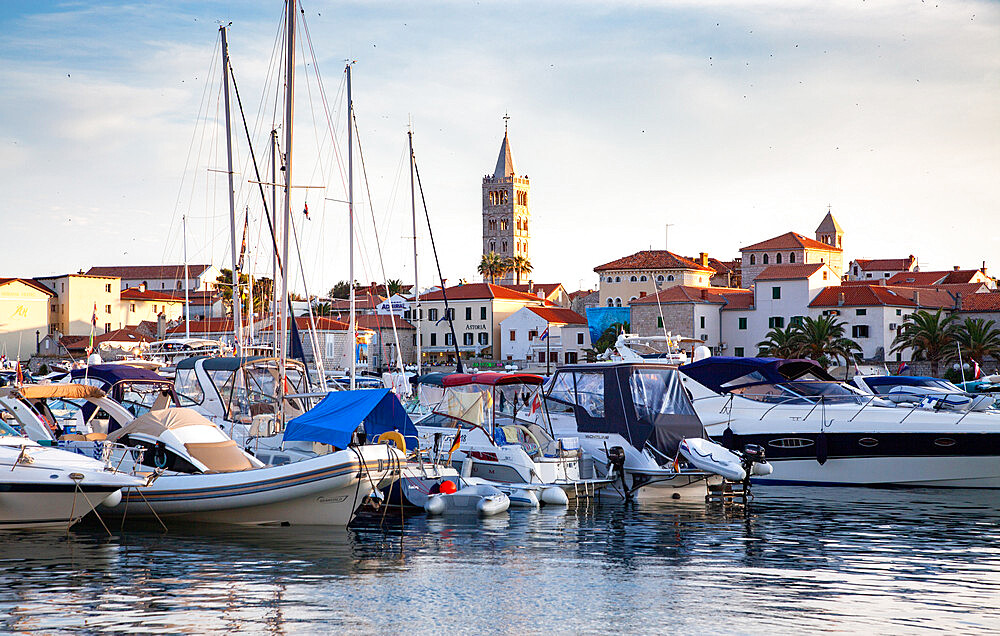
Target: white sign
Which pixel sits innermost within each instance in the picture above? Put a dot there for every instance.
(395, 305)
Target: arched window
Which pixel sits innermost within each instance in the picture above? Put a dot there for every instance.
(631, 299)
(618, 279)
(777, 258)
(642, 279)
(753, 259)
(633, 279)
(765, 259)
(504, 247)
(493, 246)
(659, 278)
(610, 280)
(671, 277)
(618, 302)
(611, 302)
(791, 257)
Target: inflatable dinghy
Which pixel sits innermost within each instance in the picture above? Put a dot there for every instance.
(713, 458)
(477, 500)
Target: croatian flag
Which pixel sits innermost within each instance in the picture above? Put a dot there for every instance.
(545, 334)
(977, 371)
(305, 210)
(902, 367)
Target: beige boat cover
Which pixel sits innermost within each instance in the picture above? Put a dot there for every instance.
(465, 406)
(155, 423)
(68, 391)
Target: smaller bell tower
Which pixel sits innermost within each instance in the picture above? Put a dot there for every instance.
(506, 213)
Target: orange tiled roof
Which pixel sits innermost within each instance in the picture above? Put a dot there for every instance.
(790, 241)
(147, 271)
(484, 291)
(987, 301)
(131, 293)
(652, 259)
(921, 279)
(790, 271)
(878, 295)
(688, 294)
(374, 321)
(559, 315)
(885, 264)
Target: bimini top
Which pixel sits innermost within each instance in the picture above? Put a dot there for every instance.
(218, 364)
(905, 380)
(334, 420)
(66, 391)
(156, 422)
(723, 373)
(491, 378)
(112, 374)
(433, 379)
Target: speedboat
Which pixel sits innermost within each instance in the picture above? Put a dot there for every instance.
(197, 472)
(495, 426)
(928, 392)
(45, 487)
(819, 431)
(631, 417)
(139, 390)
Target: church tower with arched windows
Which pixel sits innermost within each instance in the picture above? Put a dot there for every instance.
(506, 215)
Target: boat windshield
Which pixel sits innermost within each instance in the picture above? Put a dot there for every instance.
(187, 386)
(934, 384)
(7, 431)
(800, 392)
(654, 393)
(516, 401)
(140, 397)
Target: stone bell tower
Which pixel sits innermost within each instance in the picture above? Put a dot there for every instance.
(506, 214)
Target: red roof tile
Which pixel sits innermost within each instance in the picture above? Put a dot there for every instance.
(147, 271)
(374, 321)
(535, 288)
(791, 271)
(125, 334)
(790, 241)
(30, 283)
(210, 325)
(132, 293)
(921, 279)
(481, 291)
(689, 294)
(885, 264)
(878, 295)
(559, 315)
(988, 301)
(653, 259)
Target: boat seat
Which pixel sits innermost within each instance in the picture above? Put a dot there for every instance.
(512, 435)
(219, 457)
(96, 437)
(72, 437)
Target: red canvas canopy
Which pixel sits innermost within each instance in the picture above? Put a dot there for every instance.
(491, 378)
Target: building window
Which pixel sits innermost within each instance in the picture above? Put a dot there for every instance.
(107, 327)
(432, 314)
(482, 313)
(753, 259)
(513, 335)
(434, 339)
(618, 302)
(659, 322)
(633, 279)
(610, 280)
(466, 338)
(861, 312)
(493, 246)
(868, 274)
(765, 259)
(776, 293)
(555, 357)
(670, 278)
(742, 323)
(643, 279)
(414, 336)
(541, 356)
(824, 274)
(611, 302)
(503, 247)
(702, 322)
(796, 321)
(532, 335)
(107, 288)
(448, 341)
(484, 337)
(468, 313)
(155, 309)
(107, 309)
(791, 257)
(659, 278)
(738, 352)
(618, 279)
(777, 258)
(859, 331)
(451, 313)
(579, 338)
(776, 322)
(899, 312)
(631, 299)
(886, 274)
(571, 357)
(131, 307)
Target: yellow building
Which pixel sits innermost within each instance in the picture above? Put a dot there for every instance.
(24, 316)
(79, 298)
(644, 273)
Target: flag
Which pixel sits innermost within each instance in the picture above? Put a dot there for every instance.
(243, 249)
(20, 374)
(545, 334)
(977, 372)
(455, 443)
(93, 328)
(442, 318)
(902, 367)
(535, 405)
(857, 369)
(305, 210)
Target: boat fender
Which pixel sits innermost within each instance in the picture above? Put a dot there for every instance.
(112, 500)
(821, 450)
(727, 437)
(435, 505)
(761, 468)
(523, 498)
(554, 496)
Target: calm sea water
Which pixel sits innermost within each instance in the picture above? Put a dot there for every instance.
(802, 559)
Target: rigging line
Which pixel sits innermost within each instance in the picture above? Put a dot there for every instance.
(313, 333)
(378, 244)
(201, 104)
(437, 263)
(326, 104)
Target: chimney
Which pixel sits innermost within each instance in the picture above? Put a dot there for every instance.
(984, 268)
(956, 267)
(531, 286)
(916, 297)
(703, 259)
(142, 286)
(704, 292)
(161, 327)
(840, 299)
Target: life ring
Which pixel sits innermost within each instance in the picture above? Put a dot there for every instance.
(392, 436)
(160, 457)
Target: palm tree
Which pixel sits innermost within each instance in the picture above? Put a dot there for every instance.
(780, 343)
(823, 337)
(322, 309)
(395, 286)
(930, 336)
(491, 266)
(979, 339)
(519, 265)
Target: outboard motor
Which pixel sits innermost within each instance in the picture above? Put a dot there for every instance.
(754, 462)
(616, 462)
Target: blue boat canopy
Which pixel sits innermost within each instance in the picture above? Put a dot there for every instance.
(334, 420)
(112, 374)
(724, 373)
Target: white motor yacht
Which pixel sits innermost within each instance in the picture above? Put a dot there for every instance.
(819, 431)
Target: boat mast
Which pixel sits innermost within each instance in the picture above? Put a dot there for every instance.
(415, 314)
(187, 282)
(274, 253)
(237, 308)
(283, 305)
(353, 336)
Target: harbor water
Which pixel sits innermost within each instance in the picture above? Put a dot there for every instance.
(799, 559)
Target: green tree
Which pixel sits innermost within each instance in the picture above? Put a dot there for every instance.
(930, 336)
(341, 290)
(779, 343)
(520, 265)
(491, 265)
(322, 309)
(823, 338)
(263, 294)
(394, 286)
(979, 339)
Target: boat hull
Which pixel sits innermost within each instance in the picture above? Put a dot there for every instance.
(48, 505)
(326, 490)
(930, 472)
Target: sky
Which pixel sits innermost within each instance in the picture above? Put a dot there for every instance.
(731, 121)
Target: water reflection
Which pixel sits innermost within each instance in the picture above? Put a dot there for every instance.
(845, 559)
